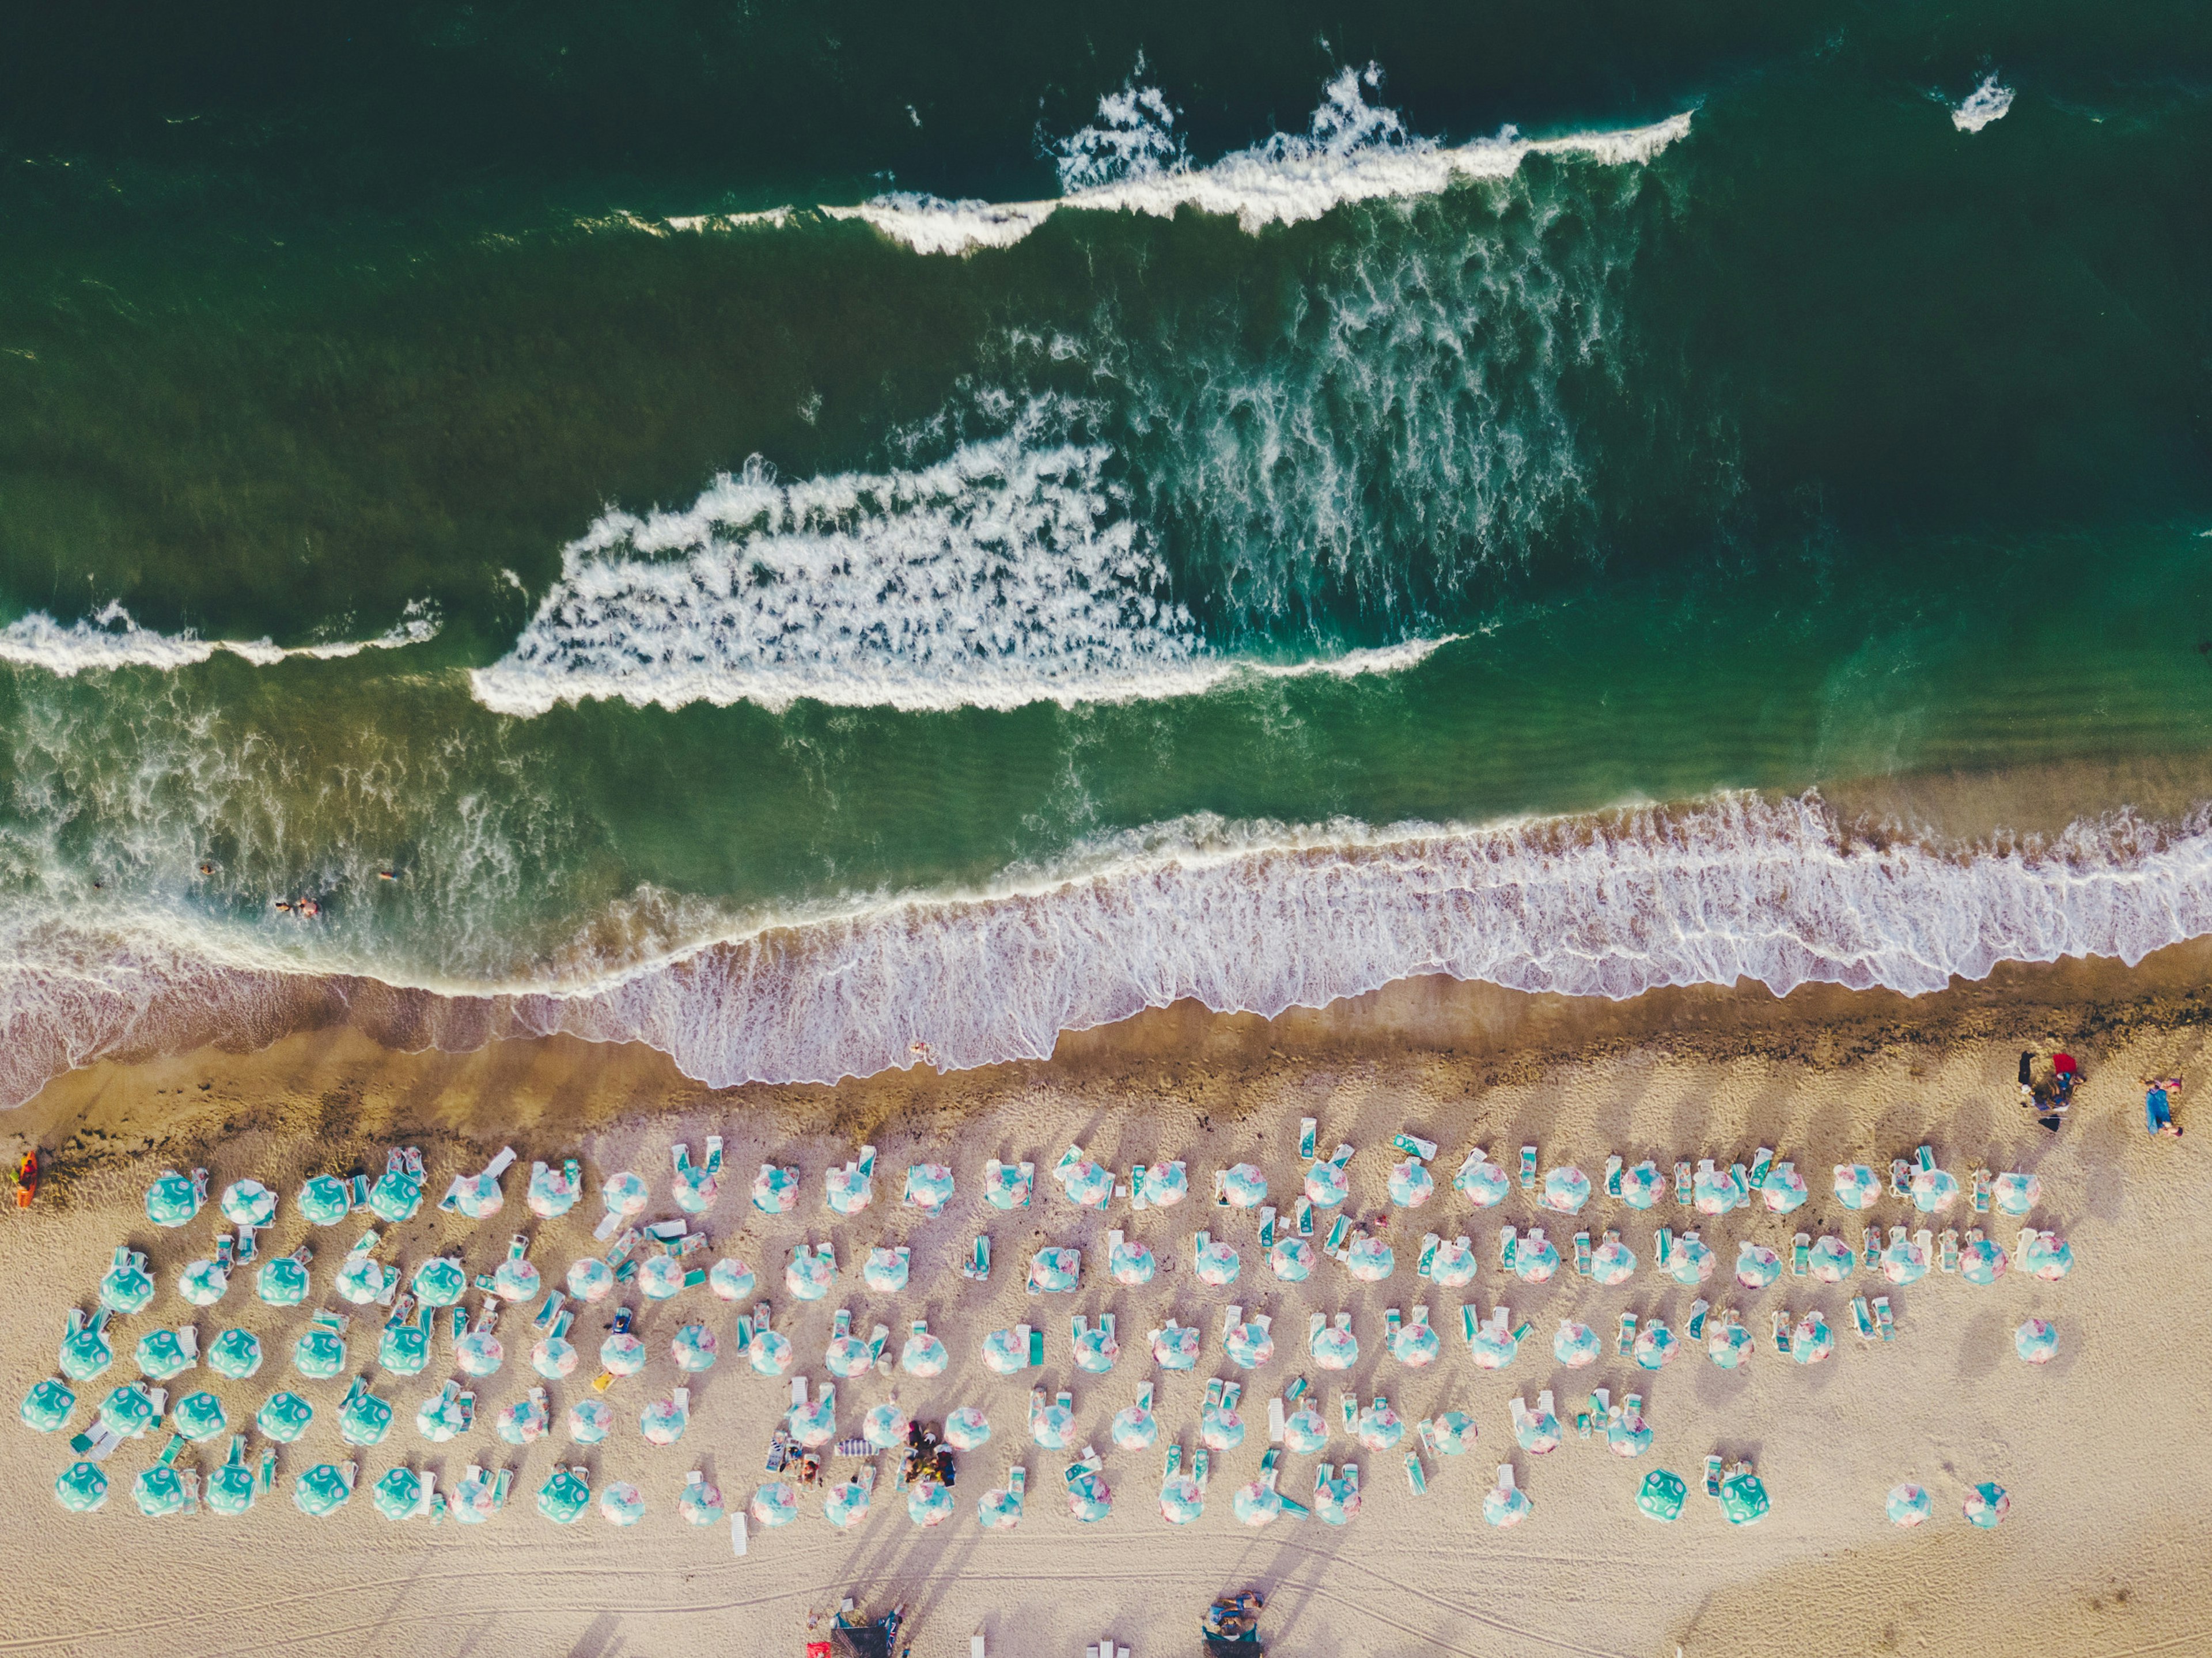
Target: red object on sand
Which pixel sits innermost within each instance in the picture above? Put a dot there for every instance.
(2063, 1064)
(26, 1179)
(817, 1650)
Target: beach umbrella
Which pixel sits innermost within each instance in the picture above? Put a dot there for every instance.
(1756, 1265)
(525, 1422)
(814, 1423)
(1055, 1272)
(1410, 1183)
(1482, 1182)
(1983, 1261)
(1576, 1344)
(967, 1429)
(1783, 1189)
(281, 1282)
(1933, 1190)
(1182, 1499)
(1291, 1260)
(695, 1188)
(398, 1494)
(590, 1421)
(248, 1203)
(1131, 1264)
(1908, 1505)
(440, 1417)
(284, 1416)
(2015, 1194)
(1690, 1262)
(161, 1355)
(1005, 1186)
(1133, 1427)
(886, 1271)
(1369, 1259)
(811, 1273)
(625, 1195)
(847, 1505)
(1000, 1508)
(1716, 1191)
(924, 1355)
(1220, 1429)
(1833, 1260)
(699, 1504)
(1743, 1499)
(2045, 1255)
(1452, 1266)
(1087, 1184)
(775, 1505)
(1166, 1184)
(324, 1200)
(1452, 1432)
(1613, 1263)
(1416, 1344)
(1535, 1259)
(81, 1487)
(171, 1199)
(2036, 1341)
(1255, 1504)
(564, 1496)
(232, 1488)
(476, 1499)
(1661, 1495)
(731, 1279)
(1305, 1433)
(1858, 1187)
(1986, 1504)
(1335, 1349)
(126, 1288)
(396, 1196)
(127, 1412)
(1218, 1264)
(199, 1417)
(775, 1190)
(361, 1279)
(623, 1353)
(1327, 1185)
(439, 1282)
(202, 1281)
(1566, 1189)
(1244, 1185)
(404, 1349)
(1654, 1347)
(928, 1187)
(660, 1278)
(516, 1279)
(1813, 1341)
(928, 1504)
(319, 1354)
(622, 1503)
(1904, 1262)
(694, 1348)
(1005, 1352)
(590, 1279)
(1378, 1427)
(885, 1426)
(1505, 1503)
(85, 1353)
(1535, 1431)
(847, 1356)
(1176, 1347)
(1492, 1346)
(160, 1491)
(320, 1491)
(1628, 1434)
(850, 1190)
(479, 1353)
(551, 1193)
(45, 1409)
(1729, 1345)
(1095, 1350)
(1642, 1186)
(1089, 1498)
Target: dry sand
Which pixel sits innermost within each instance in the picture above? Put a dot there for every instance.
(2104, 1451)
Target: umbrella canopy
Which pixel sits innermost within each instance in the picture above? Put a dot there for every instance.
(284, 1416)
(1661, 1495)
(1833, 1260)
(439, 1418)
(126, 1288)
(1218, 1264)
(1576, 1344)
(1131, 1264)
(127, 1412)
(928, 1187)
(847, 1505)
(848, 1190)
(662, 1278)
(45, 1409)
(281, 1282)
(158, 1490)
(171, 1199)
(1055, 1271)
(1166, 1184)
(1416, 1344)
(1656, 1346)
(319, 1354)
(404, 1349)
(1729, 1345)
(695, 1188)
(231, 1488)
(999, 1509)
(622, 1503)
(1089, 1498)
(1813, 1341)
(626, 1194)
(1716, 1191)
(161, 1355)
(1291, 1260)
(396, 1196)
(1905, 1263)
(1005, 1352)
(1005, 1186)
(1452, 1266)
(1482, 1182)
(885, 1426)
(1858, 1187)
(1566, 1189)
(523, 1422)
(774, 1505)
(324, 1200)
(248, 1203)
(1986, 1504)
(1369, 1259)
(1690, 1262)
(1756, 1265)
(1642, 1186)
(928, 1504)
(1412, 1185)
(1452, 1432)
(731, 1279)
(1933, 1190)
(516, 1279)
(1535, 1431)
(1255, 1504)
(1220, 1429)
(81, 1487)
(847, 1356)
(2015, 1194)
(1983, 1261)
(1783, 1189)
(1908, 1504)
(1133, 1428)
(699, 1504)
(85, 1354)
(924, 1355)
(1743, 1499)
(1505, 1503)
(591, 1279)
(321, 1490)
(202, 1281)
(1244, 1185)
(1095, 1350)
(361, 1279)
(886, 1271)
(1327, 1185)
(590, 1421)
(398, 1494)
(1182, 1499)
(1378, 1427)
(199, 1417)
(621, 1354)
(1087, 1183)
(365, 1419)
(1335, 1349)
(1176, 1348)
(551, 1193)
(1628, 1434)
(1534, 1261)
(694, 1348)
(811, 1274)
(2036, 1341)
(1613, 1263)
(1304, 1432)
(564, 1496)
(475, 1499)
(1493, 1346)
(439, 1282)
(967, 1429)
(2045, 1255)
(814, 1423)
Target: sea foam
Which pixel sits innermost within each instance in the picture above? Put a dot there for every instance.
(1986, 103)
(110, 638)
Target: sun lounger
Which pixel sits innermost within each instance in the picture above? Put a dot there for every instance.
(1899, 1176)
(977, 1266)
(1761, 1161)
(1506, 1236)
(1664, 1247)
(1801, 1255)
(1627, 1343)
(1036, 1339)
(1583, 1253)
(1612, 1166)
(1302, 1217)
(1136, 1187)
(1528, 1168)
(1782, 1330)
(1861, 1318)
(1338, 1229)
(1698, 1308)
(1713, 1465)
(1870, 1249)
(1981, 1191)
(245, 1250)
(502, 1483)
(779, 1452)
(1883, 1321)
(1948, 1262)
(1277, 1421)
(1308, 1127)
(1684, 1193)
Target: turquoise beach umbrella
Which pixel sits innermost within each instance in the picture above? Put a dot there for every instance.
(1255, 1504)
(887, 1271)
(47, 1407)
(924, 1355)
(1813, 1340)
(127, 1287)
(1904, 1262)
(319, 1355)
(699, 1504)
(928, 1187)
(1576, 1344)
(398, 1493)
(172, 1200)
(885, 1427)
(1005, 1352)
(1642, 1186)
(1482, 1182)
(1535, 1431)
(1655, 1345)
(814, 1423)
(203, 1283)
(364, 1420)
(554, 1357)
(1493, 1346)
(404, 1348)
(590, 1279)
(1304, 1433)
(478, 1196)
(1933, 1189)
(1566, 1190)
(928, 1504)
(285, 1417)
(1858, 1187)
(1716, 1191)
(231, 1488)
(1090, 1498)
(158, 1490)
(396, 1196)
(1134, 1428)
(199, 1417)
(321, 1490)
(622, 1503)
(1379, 1428)
(1661, 1495)
(81, 1487)
(847, 1505)
(127, 1412)
(1410, 1184)
(161, 1355)
(1182, 1500)
(1291, 1260)
(967, 1429)
(622, 1353)
(236, 1355)
(281, 1282)
(775, 1190)
(775, 1505)
(248, 1203)
(1131, 1263)
(1244, 1185)
(439, 1282)
(1326, 1186)
(1908, 1505)
(1986, 1504)
(1452, 1432)
(1166, 1184)
(626, 1194)
(731, 1279)
(324, 1200)
(1983, 1261)
(1690, 1262)
(476, 1497)
(2036, 1341)
(1743, 1499)
(590, 1421)
(479, 1353)
(86, 1354)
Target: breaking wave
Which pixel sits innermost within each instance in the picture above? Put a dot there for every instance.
(110, 639)
(1986, 103)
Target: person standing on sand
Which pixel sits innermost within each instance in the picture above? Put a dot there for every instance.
(2157, 1111)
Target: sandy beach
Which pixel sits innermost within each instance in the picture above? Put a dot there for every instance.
(2103, 1553)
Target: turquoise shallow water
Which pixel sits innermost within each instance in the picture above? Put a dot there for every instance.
(795, 537)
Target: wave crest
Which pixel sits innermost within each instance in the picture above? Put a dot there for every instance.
(110, 638)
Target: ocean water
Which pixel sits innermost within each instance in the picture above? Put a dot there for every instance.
(822, 540)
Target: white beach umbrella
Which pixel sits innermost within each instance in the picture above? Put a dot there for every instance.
(1453, 1265)
(928, 1187)
(1218, 1264)
(1176, 1347)
(1654, 1347)
(660, 1278)
(1933, 1190)
(622, 1503)
(1304, 1432)
(885, 1426)
(775, 1189)
(923, 1355)
(1729, 1345)
(625, 1195)
(1690, 1262)
(1908, 1505)
(590, 1421)
(248, 1203)
(1783, 1189)
(770, 1353)
(591, 1279)
(2045, 1255)
(551, 1193)
(1327, 1185)
(731, 1279)
(886, 1271)
(2036, 1342)
(1831, 1261)
(1005, 1351)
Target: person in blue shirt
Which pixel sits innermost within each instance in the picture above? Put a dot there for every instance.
(2157, 1110)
